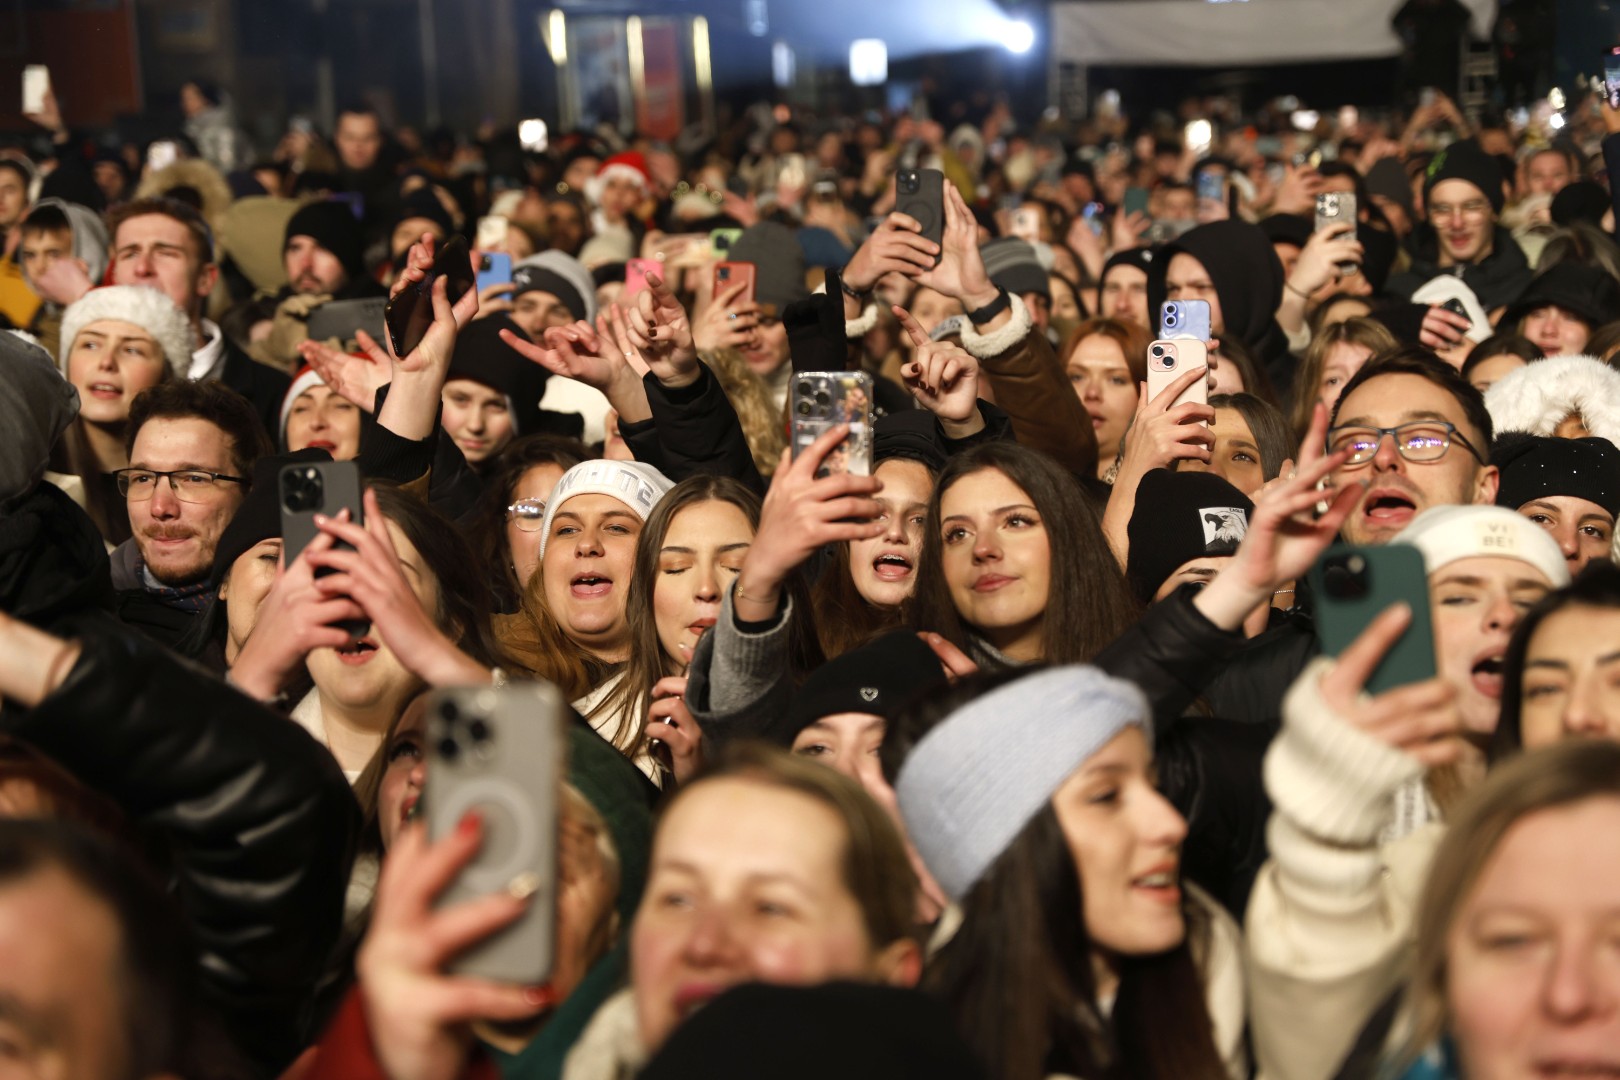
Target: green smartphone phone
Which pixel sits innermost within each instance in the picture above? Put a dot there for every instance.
(1352, 586)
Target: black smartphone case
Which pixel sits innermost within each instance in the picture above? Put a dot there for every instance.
(926, 204)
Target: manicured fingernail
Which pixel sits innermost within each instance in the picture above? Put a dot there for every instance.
(470, 823)
(539, 995)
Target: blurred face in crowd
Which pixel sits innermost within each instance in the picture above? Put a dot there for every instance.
(1103, 380)
(109, 364)
(1125, 839)
(746, 884)
(1582, 528)
(1175, 204)
(1531, 982)
(325, 421)
(177, 538)
(884, 567)
(1235, 457)
(13, 197)
(42, 247)
(1548, 173)
(1462, 217)
(1342, 361)
(536, 311)
(1344, 308)
(997, 560)
(702, 553)
(1571, 684)
(1124, 295)
(1476, 603)
(620, 197)
(365, 677)
(244, 588)
(567, 226)
(478, 418)
(1400, 489)
(579, 171)
(63, 979)
(1065, 304)
(159, 252)
(586, 570)
(533, 489)
(1186, 279)
(929, 308)
(192, 100)
(311, 269)
(1485, 373)
(359, 140)
(768, 350)
(404, 772)
(410, 231)
(849, 743)
(1558, 331)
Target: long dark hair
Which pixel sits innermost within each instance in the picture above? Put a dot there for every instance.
(1089, 604)
(1596, 586)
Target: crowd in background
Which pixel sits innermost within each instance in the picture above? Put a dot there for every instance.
(1020, 757)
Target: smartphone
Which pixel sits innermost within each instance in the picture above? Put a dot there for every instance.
(319, 487)
(1169, 360)
(1611, 76)
(1333, 208)
(532, 135)
(635, 276)
(410, 313)
(36, 85)
(720, 241)
(1136, 201)
(1026, 223)
(824, 398)
(162, 154)
(342, 318)
(728, 274)
(1184, 319)
(921, 193)
(494, 268)
(1351, 586)
(1211, 188)
(501, 753)
(1095, 216)
(491, 233)
(1456, 307)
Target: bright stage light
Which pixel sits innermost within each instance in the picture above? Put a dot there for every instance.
(1018, 36)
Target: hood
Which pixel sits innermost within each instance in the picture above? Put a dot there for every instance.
(1537, 397)
(90, 240)
(1247, 275)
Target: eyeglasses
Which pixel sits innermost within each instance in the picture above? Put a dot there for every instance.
(1422, 441)
(188, 485)
(1473, 208)
(529, 514)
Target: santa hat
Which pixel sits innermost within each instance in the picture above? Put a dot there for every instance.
(630, 165)
(306, 378)
(137, 305)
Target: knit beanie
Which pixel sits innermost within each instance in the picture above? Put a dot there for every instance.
(36, 406)
(334, 227)
(1445, 534)
(1179, 517)
(1388, 180)
(423, 203)
(1466, 161)
(307, 377)
(1012, 264)
(1141, 258)
(879, 679)
(972, 783)
(911, 435)
(561, 275)
(636, 484)
(1583, 200)
(778, 261)
(259, 516)
(1538, 466)
(484, 358)
(146, 308)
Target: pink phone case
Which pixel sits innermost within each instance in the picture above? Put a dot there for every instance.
(1169, 360)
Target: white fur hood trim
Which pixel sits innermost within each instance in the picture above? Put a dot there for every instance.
(993, 344)
(1538, 396)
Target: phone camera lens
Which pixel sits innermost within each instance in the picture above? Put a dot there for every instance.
(479, 730)
(449, 713)
(806, 388)
(449, 749)
(1158, 350)
(804, 407)
(823, 399)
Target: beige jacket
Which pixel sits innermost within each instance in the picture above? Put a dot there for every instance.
(1329, 925)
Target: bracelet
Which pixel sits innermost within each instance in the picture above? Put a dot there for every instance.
(737, 589)
(1290, 287)
(1001, 303)
(854, 294)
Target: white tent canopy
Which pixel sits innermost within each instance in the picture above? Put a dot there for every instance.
(1215, 33)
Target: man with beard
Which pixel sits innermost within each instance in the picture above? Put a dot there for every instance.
(192, 446)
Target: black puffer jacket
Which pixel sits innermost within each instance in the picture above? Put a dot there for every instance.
(52, 561)
(1498, 279)
(255, 817)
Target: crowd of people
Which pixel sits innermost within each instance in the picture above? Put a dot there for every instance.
(1017, 755)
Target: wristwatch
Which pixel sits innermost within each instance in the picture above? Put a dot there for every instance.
(995, 307)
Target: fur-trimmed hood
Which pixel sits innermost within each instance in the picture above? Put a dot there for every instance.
(1537, 397)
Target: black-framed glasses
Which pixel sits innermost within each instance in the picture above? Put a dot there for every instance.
(528, 514)
(188, 485)
(1422, 441)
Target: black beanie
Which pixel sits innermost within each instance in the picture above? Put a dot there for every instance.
(1139, 257)
(483, 357)
(1536, 466)
(422, 203)
(778, 261)
(1179, 517)
(910, 435)
(879, 678)
(1584, 200)
(259, 516)
(334, 227)
(1466, 161)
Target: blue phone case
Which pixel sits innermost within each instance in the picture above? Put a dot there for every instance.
(497, 270)
(1184, 319)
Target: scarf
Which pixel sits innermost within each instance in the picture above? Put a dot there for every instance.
(188, 598)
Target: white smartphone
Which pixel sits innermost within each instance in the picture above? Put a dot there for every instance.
(36, 85)
(1169, 360)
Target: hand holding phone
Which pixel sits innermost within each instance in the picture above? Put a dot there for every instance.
(319, 487)
(1611, 76)
(1169, 362)
(494, 268)
(921, 194)
(410, 310)
(730, 274)
(824, 399)
(1354, 587)
(36, 88)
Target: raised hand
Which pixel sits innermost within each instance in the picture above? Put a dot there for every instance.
(727, 321)
(896, 246)
(432, 356)
(960, 273)
(355, 379)
(494, 298)
(670, 726)
(1163, 432)
(656, 329)
(294, 620)
(944, 378)
(591, 355)
(64, 281)
(1318, 263)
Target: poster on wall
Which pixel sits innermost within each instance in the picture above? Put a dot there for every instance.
(599, 70)
(661, 109)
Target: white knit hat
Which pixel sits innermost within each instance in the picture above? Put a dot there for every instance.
(306, 378)
(148, 309)
(1445, 534)
(636, 484)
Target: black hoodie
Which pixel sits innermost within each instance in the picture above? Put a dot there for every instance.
(1248, 279)
(1498, 279)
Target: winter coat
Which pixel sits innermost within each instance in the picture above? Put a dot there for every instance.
(1537, 397)
(52, 561)
(693, 431)
(1330, 922)
(1497, 280)
(256, 818)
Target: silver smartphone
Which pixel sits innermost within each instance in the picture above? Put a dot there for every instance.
(824, 398)
(501, 752)
(1333, 208)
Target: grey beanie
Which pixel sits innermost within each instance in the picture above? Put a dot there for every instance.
(561, 275)
(778, 261)
(36, 406)
(1015, 265)
(971, 784)
(137, 305)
